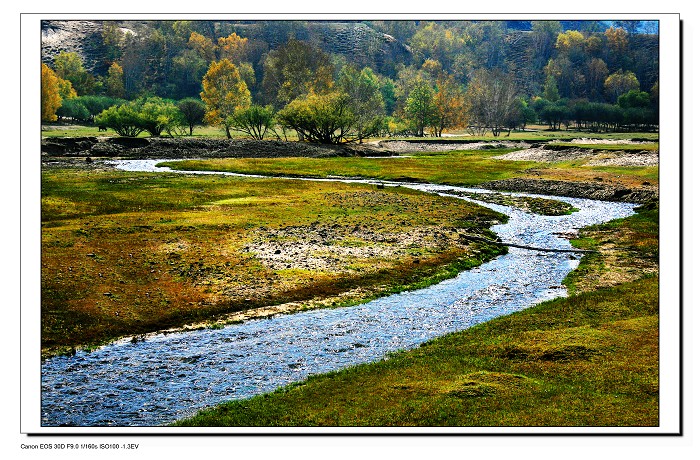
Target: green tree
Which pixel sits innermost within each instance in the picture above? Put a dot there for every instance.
(125, 119)
(96, 104)
(634, 98)
(420, 108)
(192, 112)
(551, 91)
(157, 115)
(69, 66)
(224, 92)
(255, 121)
(366, 102)
(73, 108)
(322, 118)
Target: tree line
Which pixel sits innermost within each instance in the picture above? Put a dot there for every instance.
(321, 97)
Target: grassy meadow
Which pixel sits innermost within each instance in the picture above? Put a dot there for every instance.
(465, 168)
(130, 253)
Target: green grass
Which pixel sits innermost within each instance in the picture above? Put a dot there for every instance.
(129, 253)
(454, 168)
(587, 360)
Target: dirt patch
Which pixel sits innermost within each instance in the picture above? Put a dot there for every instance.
(543, 154)
(444, 146)
(341, 249)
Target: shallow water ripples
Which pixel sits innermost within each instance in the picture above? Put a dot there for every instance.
(166, 377)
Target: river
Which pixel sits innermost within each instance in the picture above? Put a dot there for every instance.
(169, 376)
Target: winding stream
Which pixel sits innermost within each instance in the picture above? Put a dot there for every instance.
(170, 376)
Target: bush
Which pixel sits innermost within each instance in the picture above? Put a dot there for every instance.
(124, 119)
(255, 121)
(73, 108)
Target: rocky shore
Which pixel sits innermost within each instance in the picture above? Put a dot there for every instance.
(591, 190)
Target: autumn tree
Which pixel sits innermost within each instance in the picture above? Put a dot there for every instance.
(296, 69)
(114, 81)
(619, 83)
(203, 46)
(224, 92)
(50, 98)
(233, 48)
(449, 105)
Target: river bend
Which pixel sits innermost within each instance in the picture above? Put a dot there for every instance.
(170, 376)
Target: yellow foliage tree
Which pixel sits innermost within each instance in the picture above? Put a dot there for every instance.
(65, 89)
(114, 83)
(50, 97)
(233, 48)
(203, 46)
(224, 93)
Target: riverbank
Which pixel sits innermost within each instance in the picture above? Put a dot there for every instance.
(586, 360)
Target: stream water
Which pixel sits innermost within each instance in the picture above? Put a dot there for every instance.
(169, 376)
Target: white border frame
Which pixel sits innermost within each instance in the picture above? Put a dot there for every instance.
(670, 300)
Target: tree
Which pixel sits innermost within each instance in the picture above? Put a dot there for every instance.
(112, 39)
(203, 46)
(124, 119)
(323, 118)
(192, 112)
(420, 108)
(619, 83)
(255, 121)
(296, 69)
(551, 91)
(224, 92)
(233, 48)
(65, 89)
(366, 102)
(157, 115)
(69, 66)
(596, 71)
(50, 98)
(114, 82)
(73, 108)
(634, 99)
(449, 105)
(492, 101)
(96, 104)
